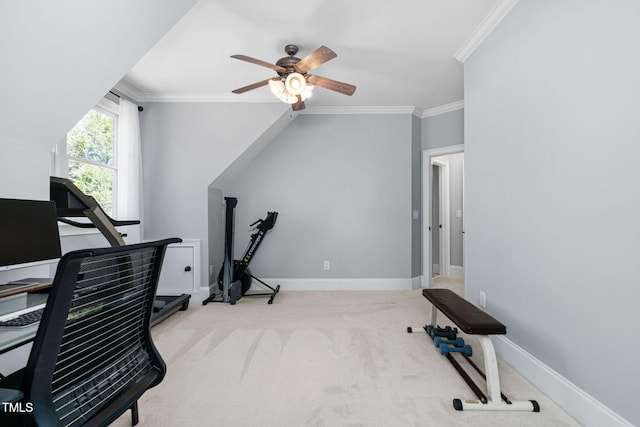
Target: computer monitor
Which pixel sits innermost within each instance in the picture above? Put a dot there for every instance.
(28, 232)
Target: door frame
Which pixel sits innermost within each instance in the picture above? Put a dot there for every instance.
(427, 173)
(444, 230)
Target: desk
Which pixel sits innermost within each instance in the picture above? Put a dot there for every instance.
(12, 337)
(15, 343)
(7, 290)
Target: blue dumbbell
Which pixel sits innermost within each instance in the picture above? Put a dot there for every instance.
(447, 332)
(458, 342)
(466, 350)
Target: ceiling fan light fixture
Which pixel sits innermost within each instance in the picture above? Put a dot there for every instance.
(295, 83)
(308, 91)
(280, 91)
(277, 87)
(288, 98)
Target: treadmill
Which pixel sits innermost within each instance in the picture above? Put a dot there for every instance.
(71, 202)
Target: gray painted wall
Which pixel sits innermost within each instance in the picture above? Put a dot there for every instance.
(24, 171)
(435, 215)
(443, 130)
(416, 196)
(342, 185)
(185, 146)
(456, 163)
(216, 218)
(550, 98)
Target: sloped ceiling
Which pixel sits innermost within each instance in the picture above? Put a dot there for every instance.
(396, 53)
(60, 58)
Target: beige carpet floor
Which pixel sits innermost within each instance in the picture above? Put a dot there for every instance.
(319, 359)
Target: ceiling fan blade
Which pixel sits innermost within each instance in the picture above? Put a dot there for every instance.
(274, 67)
(334, 85)
(299, 105)
(314, 59)
(252, 86)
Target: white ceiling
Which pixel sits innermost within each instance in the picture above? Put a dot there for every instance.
(398, 54)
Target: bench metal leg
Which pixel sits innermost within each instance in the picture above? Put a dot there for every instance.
(434, 316)
(433, 324)
(490, 368)
(494, 402)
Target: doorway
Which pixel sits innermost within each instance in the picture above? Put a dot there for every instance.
(443, 226)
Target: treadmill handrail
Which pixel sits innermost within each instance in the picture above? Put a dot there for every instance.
(72, 202)
(115, 222)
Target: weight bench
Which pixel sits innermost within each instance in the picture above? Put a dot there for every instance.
(473, 321)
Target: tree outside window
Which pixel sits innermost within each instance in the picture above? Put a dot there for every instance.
(91, 154)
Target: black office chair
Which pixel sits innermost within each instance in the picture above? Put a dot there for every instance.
(93, 356)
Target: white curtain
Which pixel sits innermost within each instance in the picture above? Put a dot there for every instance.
(129, 161)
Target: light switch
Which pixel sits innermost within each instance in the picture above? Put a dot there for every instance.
(416, 214)
(458, 213)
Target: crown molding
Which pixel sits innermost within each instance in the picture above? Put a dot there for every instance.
(447, 108)
(357, 110)
(128, 89)
(488, 24)
(209, 97)
(132, 91)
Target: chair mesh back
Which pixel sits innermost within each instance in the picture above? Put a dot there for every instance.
(103, 345)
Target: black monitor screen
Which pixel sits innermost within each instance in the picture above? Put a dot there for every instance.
(28, 231)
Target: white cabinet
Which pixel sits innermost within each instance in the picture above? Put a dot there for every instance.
(181, 269)
(15, 359)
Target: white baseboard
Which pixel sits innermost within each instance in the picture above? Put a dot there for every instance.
(456, 270)
(586, 409)
(337, 284)
(425, 282)
(342, 284)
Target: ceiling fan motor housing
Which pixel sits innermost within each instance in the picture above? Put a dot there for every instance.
(290, 61)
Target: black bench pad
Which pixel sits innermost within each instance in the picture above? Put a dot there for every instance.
(469, 318)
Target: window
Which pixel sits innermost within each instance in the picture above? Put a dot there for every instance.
(91, 154)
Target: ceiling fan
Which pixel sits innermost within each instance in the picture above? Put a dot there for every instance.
(293, 85)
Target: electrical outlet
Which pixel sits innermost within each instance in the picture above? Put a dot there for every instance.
(483, 299)
(211, 270)
(327, 265)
